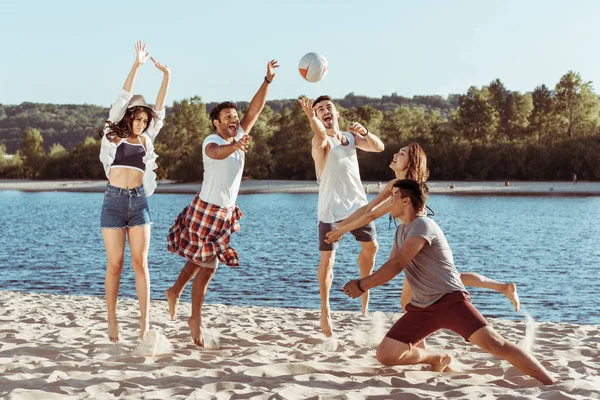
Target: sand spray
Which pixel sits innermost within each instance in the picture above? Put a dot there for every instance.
(374, 332)
(530, 331)
(155, 344)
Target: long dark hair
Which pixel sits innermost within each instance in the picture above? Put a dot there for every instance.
(417, 163)
(123, 128)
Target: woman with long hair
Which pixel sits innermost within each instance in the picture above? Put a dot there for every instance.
(410, 162)
(127, 154)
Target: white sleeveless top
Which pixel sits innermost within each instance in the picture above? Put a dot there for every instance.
(340, 188)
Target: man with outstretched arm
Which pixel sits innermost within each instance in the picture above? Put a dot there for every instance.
(440, 301)
(340, 191)
(202, 231)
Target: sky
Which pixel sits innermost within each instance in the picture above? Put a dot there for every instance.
(80, 52)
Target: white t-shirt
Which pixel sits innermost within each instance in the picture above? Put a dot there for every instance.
(222, 178)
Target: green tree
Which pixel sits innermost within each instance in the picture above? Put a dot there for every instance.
(405, 124)
(83, 162)
(476, 117)
(11, 166)
(543, 121)
(179, 142)
(57, 161)
(513, 111)
(32, 152)
(577, 105)
(293, 140)
(259, 159)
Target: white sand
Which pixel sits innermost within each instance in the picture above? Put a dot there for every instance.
(55, 347)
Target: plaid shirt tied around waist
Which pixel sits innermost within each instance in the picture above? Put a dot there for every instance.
(203, 230)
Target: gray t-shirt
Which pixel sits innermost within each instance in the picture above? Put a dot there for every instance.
(431, 273)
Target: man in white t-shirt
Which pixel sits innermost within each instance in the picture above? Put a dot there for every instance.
(340, 191)
(202, 231)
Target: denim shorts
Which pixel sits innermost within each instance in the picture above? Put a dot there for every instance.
(124, 208)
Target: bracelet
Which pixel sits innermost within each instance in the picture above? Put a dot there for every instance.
(268, 81)
(365, 133)
(358, 285)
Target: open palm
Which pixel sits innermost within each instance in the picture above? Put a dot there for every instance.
(140, 49)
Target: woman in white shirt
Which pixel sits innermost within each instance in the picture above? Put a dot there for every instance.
(127, 154)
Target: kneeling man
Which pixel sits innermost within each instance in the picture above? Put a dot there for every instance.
(440, 301)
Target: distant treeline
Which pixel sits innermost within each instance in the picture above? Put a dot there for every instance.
(488, 133)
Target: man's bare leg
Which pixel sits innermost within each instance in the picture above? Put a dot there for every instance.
(491, 341)
(325, 274)
(173, 293)
(199, 288)
(366, 263)
(392, 352)
(507, 289)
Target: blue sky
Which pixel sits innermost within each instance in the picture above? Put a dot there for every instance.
(81, 51)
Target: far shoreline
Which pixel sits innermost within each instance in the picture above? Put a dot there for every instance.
(254, 186)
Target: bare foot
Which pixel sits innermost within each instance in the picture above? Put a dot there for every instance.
(113, 331)
(196, 331)
(510, 291)
(144, 326)
(326, 324)
(365, 312)
(173, 300)
(442, 363)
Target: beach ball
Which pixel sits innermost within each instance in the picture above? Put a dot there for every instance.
(313, 67)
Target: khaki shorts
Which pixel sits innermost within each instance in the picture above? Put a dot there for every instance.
(211, 263)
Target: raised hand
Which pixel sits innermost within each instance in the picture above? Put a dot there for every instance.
(141, 54)
(163, 67)
(307, 106)
(271, 70)
(357, 128)
(243, 143)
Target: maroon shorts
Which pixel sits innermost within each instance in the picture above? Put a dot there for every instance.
(454, 311)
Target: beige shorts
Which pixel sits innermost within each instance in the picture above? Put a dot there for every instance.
(211, 263)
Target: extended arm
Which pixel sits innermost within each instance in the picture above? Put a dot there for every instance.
(140, 58)
(389, 270)
(377, 207)
(319, 140)
(164, 87)
(258, 101)
(364, 218)
(366, 140)
(221, 152)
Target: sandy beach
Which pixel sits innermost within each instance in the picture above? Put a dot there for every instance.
(250, 186)
(55, 347)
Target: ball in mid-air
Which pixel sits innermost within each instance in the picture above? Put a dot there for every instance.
(313, 67)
